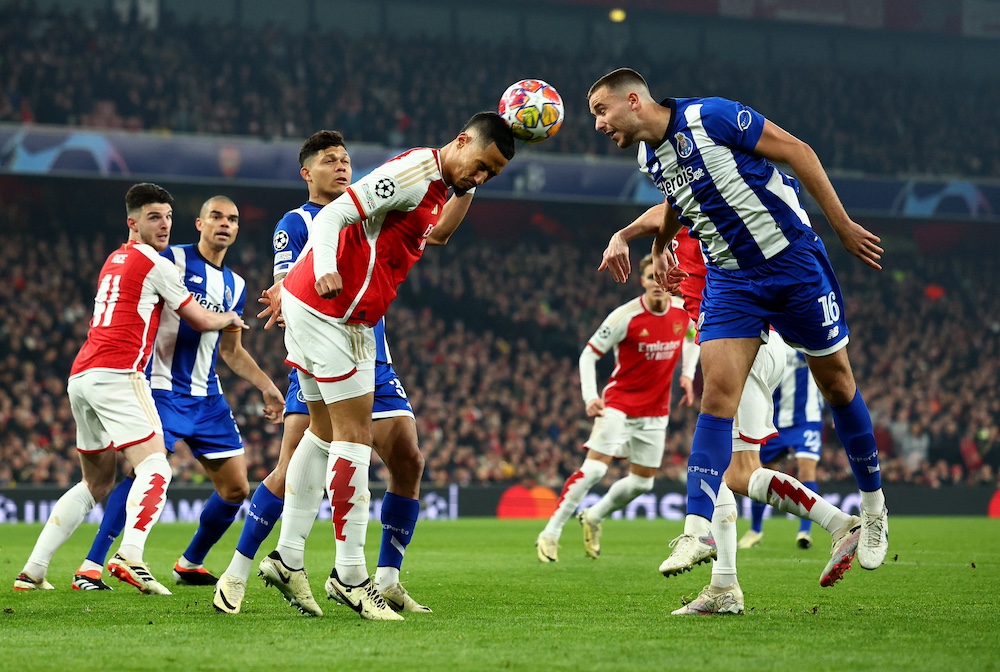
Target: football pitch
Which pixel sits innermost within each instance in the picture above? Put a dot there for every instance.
(933, 606)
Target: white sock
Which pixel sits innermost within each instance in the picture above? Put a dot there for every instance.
(66, 516)
(573, 492)
(724, 531)
(787, 494)
(347, 486)
(90, 566)
(386, 576)
(240, 566)
(696, 526)
(873, 502)
(144, 505)
(621, 492)
(304, 490)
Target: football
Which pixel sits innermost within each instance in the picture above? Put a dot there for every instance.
(533, 108)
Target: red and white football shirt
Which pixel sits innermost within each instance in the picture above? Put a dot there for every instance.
(135, 282)
(397, 205)
(691, 260)
(647, 346)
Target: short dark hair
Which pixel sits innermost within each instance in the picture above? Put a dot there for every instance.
(619, 79)
(215, 199)
(491, 128)
(144, 194)
(319, 141)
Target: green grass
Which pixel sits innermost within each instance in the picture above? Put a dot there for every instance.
(932, 606)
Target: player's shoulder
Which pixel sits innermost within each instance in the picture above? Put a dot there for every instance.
(413, 165)
(626, 311)
(294, 218)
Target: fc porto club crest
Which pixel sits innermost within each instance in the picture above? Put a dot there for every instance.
(744, 119)
(684, 145)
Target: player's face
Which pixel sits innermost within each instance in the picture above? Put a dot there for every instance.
(614, 116)
(653, 290)
(328, 172)
(219, 223)
(472, 164)
(152, 225)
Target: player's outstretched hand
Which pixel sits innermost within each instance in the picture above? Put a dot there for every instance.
(271, 299)
(615, 259)
(863, 244)
(666, 272)
(274, 405)
(595, 407)
(688, 386)
(329, 285)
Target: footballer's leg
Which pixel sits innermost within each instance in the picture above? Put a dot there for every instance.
(229, 476)
(88, 576)
(143, 507)
(265, 509)
(396, 444)
(69, 511)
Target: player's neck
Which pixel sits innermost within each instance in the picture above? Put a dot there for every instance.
(657, 124)
(319, 199)
(210, 254)
(657, 305)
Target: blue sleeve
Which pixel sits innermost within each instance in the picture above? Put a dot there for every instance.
(732, 124)
(168, 253)
(290, 236)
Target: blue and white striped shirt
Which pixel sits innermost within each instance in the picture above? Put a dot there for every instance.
(739, 205)
(184, 359)
(797, 400)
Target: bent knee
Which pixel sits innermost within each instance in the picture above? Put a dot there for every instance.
(235, 493)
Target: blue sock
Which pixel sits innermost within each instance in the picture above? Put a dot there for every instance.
(216, 518)
(757, 516)
(112, 523)
(265, 510)
(711, 453)
(805, 525)
(854, 427)
(399, 517)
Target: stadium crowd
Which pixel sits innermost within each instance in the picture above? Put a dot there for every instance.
(91, 70)
(492, 375)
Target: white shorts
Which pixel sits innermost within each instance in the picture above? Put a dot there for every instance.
(754, 421)
(336, 361)
(641, 440)
(112, 409)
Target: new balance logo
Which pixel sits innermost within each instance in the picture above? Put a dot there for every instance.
(875, 469)
(197, 279)
(833, 333)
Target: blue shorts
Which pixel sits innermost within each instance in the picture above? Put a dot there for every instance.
(205, 424)
(390, 397)
(796, 292)
(294, 401)
(802, 441)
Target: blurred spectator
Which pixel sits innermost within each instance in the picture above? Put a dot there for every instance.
(92, 70)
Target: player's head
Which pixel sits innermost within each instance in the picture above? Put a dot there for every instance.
(325, 165)
(219, 222)
(481, 150)
(616, 101)
(150, 213)
(654, 294)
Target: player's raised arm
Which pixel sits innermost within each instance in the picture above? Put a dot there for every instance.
(781, 146)
(243, 365)
(615, 258)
